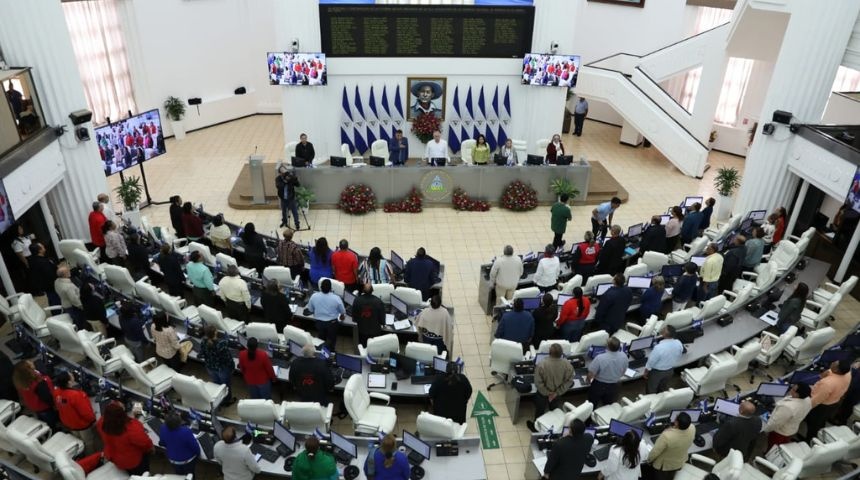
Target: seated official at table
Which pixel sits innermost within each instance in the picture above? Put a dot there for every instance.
(566, 459)
(517, 325)
(311, 377)
(436, 148)
(387, 462)
(305, 149)
(398, 149)
(420, 273)
(553, 377)
(739, 433)
(449, 394)
(481, 152)
(507, 151)
(368, 313)
(670, 451)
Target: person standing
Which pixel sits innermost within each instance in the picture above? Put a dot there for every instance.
(779, 226)
(826, 395)
(611, 258)
(554, 149)
(166, 341)
(790, 310)
(604, 373)
(376, 269)
(276, 306)
(436, 326)
(505, 274)
(601, 217)
(68, 292)
(613, 305)
(733, 260)
(685, 287)
(368, 312)
(96, 220)
(320, 260)
(236, 295)
(517, 325)
(670, 451)
(566, 459)
(202, 281)
(35, 390)
(787, 415)
(436, 149)
(43, 274)
(571, 320)
(652, 298)
(662, 360)
(94, 312)
(107, 209)
(624, 458)
(420, 273)
(711, 271)
(218, 360)
(344, 265)
(553, 378)
(388, 462)
(755, 249)
(75, 410)
(21, 245)
(255, 247)
(290, 254)
(585, 256)
(673, 229)
(126, 443)
(450, 394)
(180, 445)
(507, 151)
(132, 323)
(237, 461)
(192, 224)
(545, 316)
(548, 269)
(481, 152)
(398, 149)
(692, 223)
(220, 235)
(285, 186)
(256, 368)
(305, 150)
(170, 264)
(176, 216)
(560, 215)
(654, 237)
(313, 463)
(579, 114)
(116, 250)
(138, 257)
(739, 433)
(707, 212)
(327, 309)
(311, 378)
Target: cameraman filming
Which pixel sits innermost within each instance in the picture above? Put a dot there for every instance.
(286, 184)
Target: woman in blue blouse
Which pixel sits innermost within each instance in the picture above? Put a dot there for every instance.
(320, 257)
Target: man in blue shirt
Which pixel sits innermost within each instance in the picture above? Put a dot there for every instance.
(202, 282)
(420, 273)
(612, 306)
(579, 114)
(517, 325)
(326, 308)
(691, 224)
(755, 249)
(398, 149)
(664, 357)
(601, 217)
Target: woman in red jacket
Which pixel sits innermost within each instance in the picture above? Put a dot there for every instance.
(126, 443)
(554, 149)
(75, 410)
(36, 391)
(585, 256)
(779, 232)
(256, 368)
(571, 320)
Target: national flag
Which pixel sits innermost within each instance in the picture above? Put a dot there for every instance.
(384, 117)
(453, 135)
(469, 116)
(398, 105)
(372, 118)
(386, 110)
(346, 121)
(358, 117)
(480, 115)
(505, 113)
(494, 113)
(503, 136)
(490, 137)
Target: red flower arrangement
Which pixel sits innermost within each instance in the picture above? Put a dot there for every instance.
(468, 204)
(357, 199)
(424, 126)
(519, 197)
(411, 203)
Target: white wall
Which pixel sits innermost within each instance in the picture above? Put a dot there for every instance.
(735, 139)
(27, 184)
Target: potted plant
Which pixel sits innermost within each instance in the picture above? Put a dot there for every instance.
(561, 186)
(711, 139)
(130, 192)
(304, 197)
(175, 110)
(726, 182)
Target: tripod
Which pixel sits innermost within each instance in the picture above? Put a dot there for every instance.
(285, 220)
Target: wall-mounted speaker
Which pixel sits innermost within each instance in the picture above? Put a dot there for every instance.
(195, 101)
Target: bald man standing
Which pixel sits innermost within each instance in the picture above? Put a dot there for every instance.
(739, 433)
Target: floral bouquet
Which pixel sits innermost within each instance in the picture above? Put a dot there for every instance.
(424, 126)
(519, 197)
(357, 199)
(468, 204)
(409, 204)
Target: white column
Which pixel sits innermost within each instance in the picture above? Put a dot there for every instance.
(795, 212)
(51, 223)
(34, 33)
(812, 49)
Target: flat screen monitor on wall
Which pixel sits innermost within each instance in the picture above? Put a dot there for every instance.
(297, 69)
(853, 198)
(126, 143)
(6, 218)
(546, 70)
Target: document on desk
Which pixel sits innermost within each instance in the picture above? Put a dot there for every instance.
(389, 319)
(293, 307)
(277, 370)
(770, 318)
(402, 325)
(427, 389)
(669, 291)
(540, 463)
(376, 380)
(630, 373)
(182, 336)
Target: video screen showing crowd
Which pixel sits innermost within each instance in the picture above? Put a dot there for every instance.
(129, 142)
(297, 68)
(550, 70)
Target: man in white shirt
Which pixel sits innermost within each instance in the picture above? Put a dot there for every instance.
(108, 212)
(436, 148)
(505, 274)
(237, 461)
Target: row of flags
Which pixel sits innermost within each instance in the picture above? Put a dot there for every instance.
(364, 123)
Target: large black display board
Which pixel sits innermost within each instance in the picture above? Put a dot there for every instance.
(426, 31)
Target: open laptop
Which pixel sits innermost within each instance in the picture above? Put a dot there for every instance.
(286, 438)
(772, 390)
(601, 289)
(639, 284)
(727, 407)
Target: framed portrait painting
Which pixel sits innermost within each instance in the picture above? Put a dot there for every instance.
(426, 95)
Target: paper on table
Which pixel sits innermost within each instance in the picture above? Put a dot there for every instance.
(181, 336)
(277, 370)
(669, 291)
(540, 463)
(402, 325)
(389, 319)
(426, 388)
(376, 380)
(769, 318)
(293, 307)
(630, 373)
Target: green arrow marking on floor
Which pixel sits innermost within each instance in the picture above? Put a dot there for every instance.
(485, 412)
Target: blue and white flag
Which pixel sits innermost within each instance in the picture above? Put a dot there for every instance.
(358, 124)
(468, 117)
(398, 106)
(492, 120)
(371, 118)
(505, 112)
(480, 115)
(454, 123)
(385, 117)
(503, 135)
(346, 121)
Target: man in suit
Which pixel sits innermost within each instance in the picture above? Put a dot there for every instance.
(398, 149)
(739, 433)
(567, 456)
(611, 259)
(612, 306)
(305, 149)
(670, 452)
(420, 273)
(654, 237)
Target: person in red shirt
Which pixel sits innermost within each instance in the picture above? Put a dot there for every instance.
(571, 320)
(96, 220)
(192, 225)
(126, 443)
(256, 368)
(779, 231)
(344, 264)
(585, 256)
(35, 391)
(75, 410)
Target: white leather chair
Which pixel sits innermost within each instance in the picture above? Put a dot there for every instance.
(83, 260)
(817, 459)
(423, 352)
(180, 245)
(367, 419)
(784, 256)
(205, 253)
(43, 455)
(636, 270)
(719, 231)
(466, 148)
(157, 380)
(713, 378)
(282, 275)
(711, 307)
(802, 349)
(598, 339)
(634, 330)
(689, 250)
(308, 417)
(290, 151)
(302, 337)
(381, 346)
(816, 315)
(411, 297)
(23, 425)
(173, 307)
(148, 294)
(567, 287)
(654, 260)
(8, 410)
(503, 353)
(742, 356)
(195, 393)
(226, 261)
(595, 280)
(434, 427)
(9, 307)
(264, 332)
(260, 412)
(521, 147)
(107, 364)
(69, 245)
(844, 433)
(379, 148)
(527, 292)
(559, 418)
(681, 318)
(383, 291)
(729, 468)
(761, 281)
(71, 339)
(337, 287)
(346, 153)
(623, 411)
(777, 345)
(543, 346)
(540, 146)
(738, 298)
(826, 291)
(672, 399)
(213, 317)
(773, 472)
(36, 317)
(70, 470)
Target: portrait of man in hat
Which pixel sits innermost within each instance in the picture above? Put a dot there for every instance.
(426, 95)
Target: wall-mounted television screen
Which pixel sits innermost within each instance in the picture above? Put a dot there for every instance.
(853, 198)
(547, 70)
(126, 143)
(297, 68)
(6, 218)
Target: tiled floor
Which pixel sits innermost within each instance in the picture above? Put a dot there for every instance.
(203, 167)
